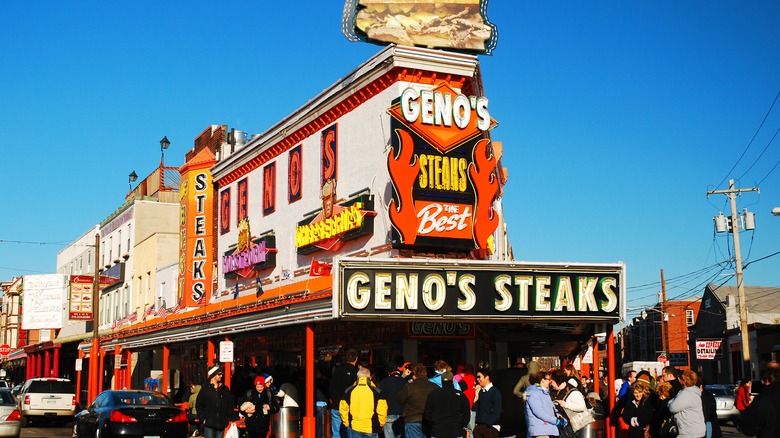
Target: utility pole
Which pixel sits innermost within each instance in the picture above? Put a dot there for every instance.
(732, 195)
(94, 351)
(664, 317)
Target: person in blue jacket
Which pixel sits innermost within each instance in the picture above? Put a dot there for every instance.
(542, 416)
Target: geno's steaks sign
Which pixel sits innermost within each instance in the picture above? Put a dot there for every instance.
(436, 288)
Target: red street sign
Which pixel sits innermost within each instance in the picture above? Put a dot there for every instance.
(5, 349)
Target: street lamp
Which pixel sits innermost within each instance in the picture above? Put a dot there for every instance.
(131, 179)
(776, 211)
(164, 143)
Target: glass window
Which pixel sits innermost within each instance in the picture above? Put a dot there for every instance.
(689, 318)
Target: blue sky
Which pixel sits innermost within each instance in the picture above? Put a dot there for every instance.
(616, 119)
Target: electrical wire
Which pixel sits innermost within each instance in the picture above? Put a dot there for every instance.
(751, 140)
(761, 154)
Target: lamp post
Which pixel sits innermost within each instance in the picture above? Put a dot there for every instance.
(164, 143)
(94, 351)
(131, 179)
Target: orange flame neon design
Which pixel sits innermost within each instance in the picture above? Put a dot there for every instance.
(485, 183)
(403, 169)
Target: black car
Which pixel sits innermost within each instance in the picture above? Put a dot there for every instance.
(131, 414)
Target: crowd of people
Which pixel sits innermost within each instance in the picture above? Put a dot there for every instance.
(415, 401)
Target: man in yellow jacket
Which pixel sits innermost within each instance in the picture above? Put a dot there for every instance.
(363, 409)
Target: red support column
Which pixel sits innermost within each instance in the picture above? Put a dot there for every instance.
(309, 421)
(227, 369)
(129, 369)
(47, 363)
(30, 371)
(78, 378)
(611, 431)
(56, 364)
(118, 380)
(596, 366)
(166, 351)
(38, 365)
(210, 353)
(101, 373)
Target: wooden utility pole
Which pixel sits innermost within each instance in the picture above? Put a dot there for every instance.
(94, 351)
(732, 195)
(664, 318)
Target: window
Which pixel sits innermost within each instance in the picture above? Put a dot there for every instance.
(119, 241)
(128, 238)
(689, 319)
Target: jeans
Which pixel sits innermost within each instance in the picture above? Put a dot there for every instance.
(388, 428)
(212, 433)
(414, 430)
(335, 424)
(355, 434)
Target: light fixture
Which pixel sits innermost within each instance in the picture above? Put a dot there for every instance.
(164, 143)
(131, 179)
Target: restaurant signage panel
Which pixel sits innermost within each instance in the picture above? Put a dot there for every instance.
(436, 288)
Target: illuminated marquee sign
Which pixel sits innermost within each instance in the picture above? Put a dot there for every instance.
(250, 254)
(349, 220)
(402, 288)
(443, 171)
(196, 207)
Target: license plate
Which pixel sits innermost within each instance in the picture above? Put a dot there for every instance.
(51, 402)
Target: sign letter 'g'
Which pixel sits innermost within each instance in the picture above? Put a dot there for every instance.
(358, 294)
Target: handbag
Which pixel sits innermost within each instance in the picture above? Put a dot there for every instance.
(566, 431)
(578, 420)
(231, 431)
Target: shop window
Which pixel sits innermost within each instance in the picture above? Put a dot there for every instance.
(689, 318)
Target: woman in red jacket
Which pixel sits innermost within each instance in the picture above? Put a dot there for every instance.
(743, 395)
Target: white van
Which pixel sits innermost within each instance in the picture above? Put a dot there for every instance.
(51, 399)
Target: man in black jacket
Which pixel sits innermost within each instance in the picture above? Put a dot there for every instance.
(215, 404)
(447, 410)
(343, 377)
(487, 407)
(762, 417)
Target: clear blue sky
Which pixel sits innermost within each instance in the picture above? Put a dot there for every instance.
(616, 118)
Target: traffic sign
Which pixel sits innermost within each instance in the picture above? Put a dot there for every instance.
(5, 350)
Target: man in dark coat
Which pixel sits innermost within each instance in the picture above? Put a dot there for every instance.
(215, 405)
(390, 387)
(343, 377)
(487, 407)
(413, 396)
(762, 417)
(447, 410)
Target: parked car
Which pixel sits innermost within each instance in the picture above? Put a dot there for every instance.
(10, 419)
(724, 403)
(46, 398)
(131, 414)
(4, 384)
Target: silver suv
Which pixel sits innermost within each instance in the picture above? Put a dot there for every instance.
(47, 398)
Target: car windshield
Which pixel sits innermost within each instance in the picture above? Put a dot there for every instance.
(720, 391)
(7, 399)
(51, 387)
(140, 399)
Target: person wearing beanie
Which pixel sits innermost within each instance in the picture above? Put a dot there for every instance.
(447, 410)
(390, 387)
(215, 404)
(343, 377)
(258, 406)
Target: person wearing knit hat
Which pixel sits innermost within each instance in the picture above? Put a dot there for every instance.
(260, 404)
(214, 404)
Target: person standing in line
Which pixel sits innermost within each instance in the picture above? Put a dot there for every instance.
(709, 408)
(627, 382)
(439, 367)
(762, 417)
(540, 412)
(447, 410)
(670, 374)
(524, 383)
(413, 396)
(686, 407)
(487, 407)
(390, 387)
(343, 378)
(468, 382)
(363, 409)
(215, 404)
(258, 406)
(638, 412)
(742, 400)
(193, 414)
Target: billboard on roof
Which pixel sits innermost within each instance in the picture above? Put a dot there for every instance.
(460, 25)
